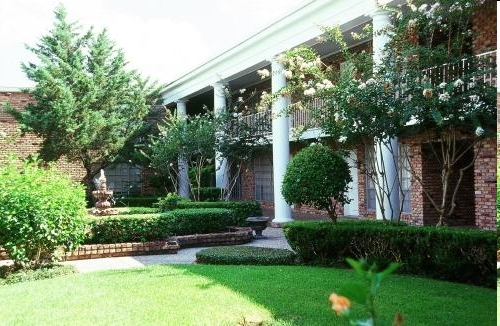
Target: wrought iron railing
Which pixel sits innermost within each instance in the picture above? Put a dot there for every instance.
(446, 72)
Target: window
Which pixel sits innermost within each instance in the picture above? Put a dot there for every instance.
(263, 176)
(370, 190)
(124, 178)
(405, 175)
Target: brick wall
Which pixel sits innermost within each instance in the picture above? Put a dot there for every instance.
(477, 194)
(485, 183)
(484, 26)
(28, 144)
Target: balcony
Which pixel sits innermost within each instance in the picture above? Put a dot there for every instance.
(301, 118)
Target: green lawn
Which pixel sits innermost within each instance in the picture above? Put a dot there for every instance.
(224, 295)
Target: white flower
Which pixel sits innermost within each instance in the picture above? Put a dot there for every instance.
(474, 98)
(171, 164)
(458, 83)
(427, 93)
(327, 83)
(470, 85)
(235, 115)
(342, 139)
(264, 73)
(310, 92)
(243, 90)
(413, 7)
(479, 131)
(240, 99)
(371, 81)
(423, 8)
(288, 74)
(442, 85)
(362, 86)
(413, 121)
(444, 97)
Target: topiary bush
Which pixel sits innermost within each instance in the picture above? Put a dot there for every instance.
(319, 177)
(40, 210)
(461, 255)
(245, 255)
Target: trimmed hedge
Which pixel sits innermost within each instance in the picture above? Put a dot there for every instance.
(126, 228)
(145, 201)
(137, 210)
(159, 226)
(245, 255)
(460, 255)
(241, 209)
(197, 221)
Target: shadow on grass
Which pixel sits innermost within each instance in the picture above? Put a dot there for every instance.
(297, 295)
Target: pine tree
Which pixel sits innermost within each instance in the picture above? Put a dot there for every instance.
(88, 104)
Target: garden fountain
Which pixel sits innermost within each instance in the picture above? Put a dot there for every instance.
(102, 194)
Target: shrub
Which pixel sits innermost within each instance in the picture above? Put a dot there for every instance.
(245, 255)
(197, 220)
(241, 209)
(41, 210)
(126, 228)
(169, 202)
(9, 276)
(319, 177)
(466, 256)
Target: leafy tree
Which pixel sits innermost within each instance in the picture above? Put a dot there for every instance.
(193, 139)
(319, 177)
(88, 105)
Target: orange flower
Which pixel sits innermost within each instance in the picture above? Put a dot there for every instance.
(339, 303)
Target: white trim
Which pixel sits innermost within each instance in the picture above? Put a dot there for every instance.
(299, 27)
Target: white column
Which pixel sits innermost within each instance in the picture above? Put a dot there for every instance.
(221, 168)
(281, 146)
(387, 150)
(181, 161)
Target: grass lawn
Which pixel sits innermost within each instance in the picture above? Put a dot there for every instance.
(225, 295)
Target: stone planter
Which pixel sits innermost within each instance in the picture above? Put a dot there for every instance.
(258, 224)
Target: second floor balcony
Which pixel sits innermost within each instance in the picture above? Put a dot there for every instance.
(303, 118)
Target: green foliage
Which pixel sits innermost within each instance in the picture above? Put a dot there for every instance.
(41, 210)
(452, 254)
(210, 193)
(127, 228)
(316, 175)
(240, 209)
(136, 201)
(364, 292)
(192, 139)
(87, 104)
(159, 226)
(197, 220)
(9, 276)
(169, 202)
(245, 255)
(137, 210)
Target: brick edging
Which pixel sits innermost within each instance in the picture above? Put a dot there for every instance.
(238, 235)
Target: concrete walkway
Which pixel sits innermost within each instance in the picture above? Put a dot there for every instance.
(272, 238)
